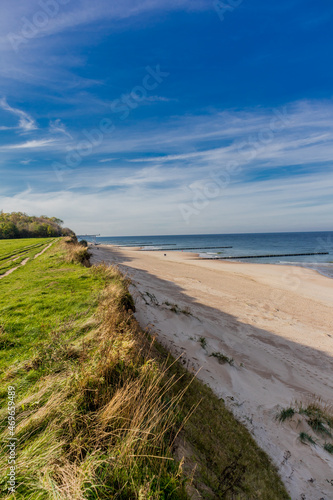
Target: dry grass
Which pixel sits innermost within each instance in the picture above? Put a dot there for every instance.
(102, 422)
(102, 419)
(77, 253)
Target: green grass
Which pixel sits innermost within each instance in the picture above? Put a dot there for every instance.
(98, 408)
(306, 438)
(328, 447)
(318, 425)
(285, 414)
(11, 247)
(13, 252)
(203, 342)
(40, 297)
(176, 309)
(318, 416)
(222, 358)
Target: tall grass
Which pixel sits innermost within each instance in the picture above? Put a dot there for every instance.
(102, 422)
(76, 252)
(101, 408)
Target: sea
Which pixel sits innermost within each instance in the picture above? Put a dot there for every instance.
(264, 248)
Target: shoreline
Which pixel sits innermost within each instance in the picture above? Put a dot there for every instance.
(305, 265)
(195, 257)
(274, 321)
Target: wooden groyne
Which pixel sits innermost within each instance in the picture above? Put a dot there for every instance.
(182, 248)
(264, 256)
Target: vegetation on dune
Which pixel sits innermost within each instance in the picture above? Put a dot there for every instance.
(102, 412)
(286, 413)
(318, 417)
(328, 447)
(20, 225)
(222, 358)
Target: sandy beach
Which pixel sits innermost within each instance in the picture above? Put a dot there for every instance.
(274, 321)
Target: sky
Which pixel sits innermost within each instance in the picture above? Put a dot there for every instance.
(143, 117)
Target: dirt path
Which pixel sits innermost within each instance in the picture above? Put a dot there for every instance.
(25, 261)
(44, 250)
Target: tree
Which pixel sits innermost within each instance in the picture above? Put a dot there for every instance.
(57, 221)
(21, 225)
(8, 230)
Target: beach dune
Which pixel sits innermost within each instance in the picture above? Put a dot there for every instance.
(274, 322)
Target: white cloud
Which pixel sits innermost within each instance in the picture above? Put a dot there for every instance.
(26, 162)
(303, 135)
(284, 183)
(24, 23)
(269, 205)
(107, 160)
(26, 122)
(56, 127)
(81, 12)
(157, 98)
(7, 128)
(34, 144)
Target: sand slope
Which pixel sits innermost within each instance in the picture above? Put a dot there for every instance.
(274, 321)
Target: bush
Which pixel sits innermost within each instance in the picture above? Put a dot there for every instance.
(77, 253)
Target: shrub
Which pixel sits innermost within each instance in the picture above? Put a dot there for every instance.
(78, 253)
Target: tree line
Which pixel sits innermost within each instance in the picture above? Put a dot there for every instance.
(21, 225)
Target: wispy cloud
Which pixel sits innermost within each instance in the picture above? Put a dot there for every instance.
(157, 98)
(23, 24)
(26, 162)
(300, 134)
(26, 122)
(107, 160)
(83, 12)
(34, 144)
(56, 127)
(302, 204)
(88, 55)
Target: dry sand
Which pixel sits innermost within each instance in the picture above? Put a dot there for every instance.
(274, 321)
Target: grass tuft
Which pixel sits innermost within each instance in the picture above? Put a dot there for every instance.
(328, 447)
(222, 358)
(285, 414)
(317, 425)
(306, 438)
(176, 309)
(203, 342)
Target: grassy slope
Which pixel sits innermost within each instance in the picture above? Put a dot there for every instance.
(98, 412)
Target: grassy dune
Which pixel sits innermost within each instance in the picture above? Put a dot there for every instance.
(101, 411)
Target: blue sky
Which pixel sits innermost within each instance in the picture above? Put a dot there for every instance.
(168, 116)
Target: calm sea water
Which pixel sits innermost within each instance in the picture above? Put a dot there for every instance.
(244, 245)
